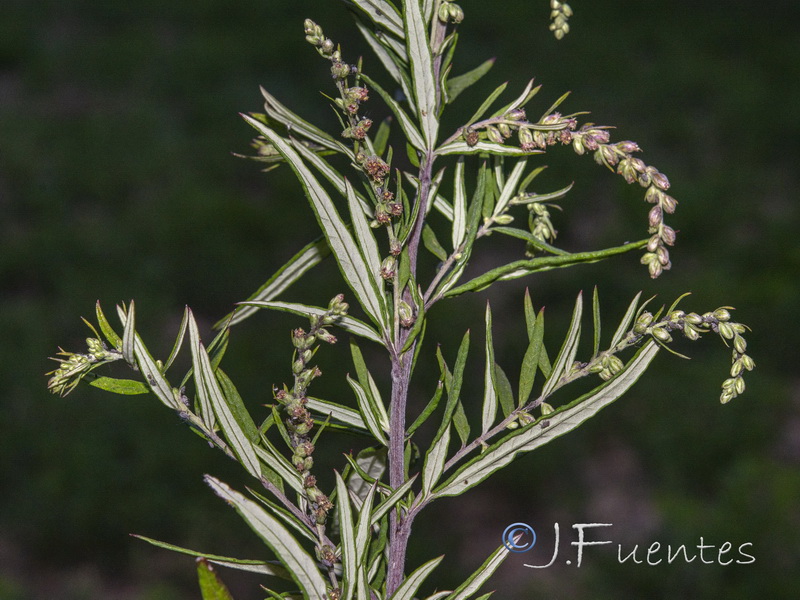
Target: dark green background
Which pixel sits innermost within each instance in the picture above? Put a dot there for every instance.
(117, 120)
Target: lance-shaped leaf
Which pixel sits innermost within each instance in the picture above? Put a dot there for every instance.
(241, 564)
(627, 319)
(474, 582)
(366, 243)
(106, 328)
(456, 85)
(348, 323)
(125, 387)
(336, 411)
(596, 321)
(373, 415)
(530, 238)
(568, 349)
(407, 125)
(394, 63)
(434, 462)
(294, 123)
(391, 500)
(419, 55)
(300, 565)
(522, 268)
(209, 390)
(344, 247)
(510, 187)
(152, 374)
(490, 385)
(460, 146)
(349, 556)
(563, 420)
(408, 589)
(128, 335)
(382, 13)
(310, 256)
(530, 362)
(280, 464)
(206, 410)
(211, 585)
(459, 205)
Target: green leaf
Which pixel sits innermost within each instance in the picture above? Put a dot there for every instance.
(276, 461)
(206, 410)
(310, 256)
(458, 84)
(128, 336)
(563, 420)
(522, 268)
(406, 124)
(294, 123)
(528, 93)
(211, 586)
(429, 408)
(241, 564)
(459, 205)
(452, 383)
(461, 423)
(474, 582)
(106, 328)
(596, 321)
(410, 585)
(419, 55)
(393, 59)
(530, 362)
(566, 355)
(344, 247)
(126, 387)
(509, 189)
(178, 340)
(391, 500)
(370, 412)
(371, 462)
(237, 407)
(485, 106)
(348, 323)
(505, 394)
(367, 245)
(531, 239)
(490, 385)
(529, 198)
(627, 319)
(381, 140)
(207, 386)
(349, 557)
(382, 13)
(432, 243)
(459, 146)
(434, 462)
(300, 565)
(336, 411)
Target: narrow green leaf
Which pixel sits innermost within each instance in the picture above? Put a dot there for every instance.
(459, 205)
(432, 244)
(211, 585)
(294, 123)
(310, 256)
(381, 140)
(349, 557)
(453, 383)
(336, 411)
(406, 124)
(393, 62)
(348, 323)
(627, 319)
(529, 198)
(125, 387)
(363, 527)
(505, 394)
(429, 408)
(485, 106)
(522, 268)
(237, 407)
(366, 243)
(568, 350)
(456, 85)
(530, 362)
(203, 397)
(596, 321)
(371, 462)
(410, 585)
(510, 186)
(391, 500)
(297, 561)
(556, 104)
(207, 385)
(369, 411)
(434, 462)
(128, 336)
(474, 582)
(178, 340)
(490, 385)
(459, 146)
(563, 420)
(351, 264)
(419, 55)
(286, 516)
(276, 461)
(530, 238)
(528, 93)
(382, 13)
(106, 328)
(241, 564)
(461, 423)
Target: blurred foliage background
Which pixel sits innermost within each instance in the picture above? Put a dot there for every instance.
(117, 121)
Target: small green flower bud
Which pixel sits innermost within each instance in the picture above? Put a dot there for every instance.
(297, 367)
(406, 314)
(660, 180)
(739, 386)
(456, 13)
(504, 130)
(326, 336)
(503, 219)
(494, 135)
(739, 344)
(694, 319)
(722, 314)
(525, 418)
(577, 145)
(668, 203)
(655, 217)
(667, 234)
(340, 70)
(661, 334)
(690, 332)
(737, 368)
(726, 331)
(546, 409)
(615, 365)
(643, 322)
(389, 267)
(748, 362)
(596, 368)
(444, 12)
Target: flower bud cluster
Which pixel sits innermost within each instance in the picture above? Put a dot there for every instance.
(560, 12)
(450, 12)
(692, 326)
(74, 367)
(540, 225)
(299, 421)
